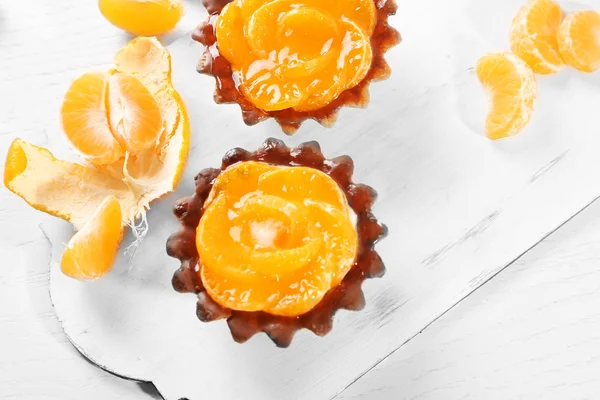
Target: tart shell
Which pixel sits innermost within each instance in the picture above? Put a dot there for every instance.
(347, 295)
(212, 63)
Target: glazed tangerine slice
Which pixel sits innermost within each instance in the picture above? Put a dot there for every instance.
(303, 184)
(219, 245)
(513, 89)
(230, 36)
(249, 294)
(357, 54)
(91, 252)
(361, 12)
(303, 290)
(579, 40)
(291, 31)
(262, 237)
(143, 17)
(84, 119)
(133, 113)
(238, 181)
(533, 36)
(340, 237)
(271, 92)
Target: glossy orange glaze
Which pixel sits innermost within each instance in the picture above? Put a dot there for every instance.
(274, 239)
(299, 54)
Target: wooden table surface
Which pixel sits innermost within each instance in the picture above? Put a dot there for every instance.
(532, 332)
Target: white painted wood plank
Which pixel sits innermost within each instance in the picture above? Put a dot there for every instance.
(459, 209)
(533, 332)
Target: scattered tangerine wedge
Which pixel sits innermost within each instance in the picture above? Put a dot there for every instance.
(75, 192)
(143, 17)
(579, 40)
(513, 89)
(533, 36)
(92, 251)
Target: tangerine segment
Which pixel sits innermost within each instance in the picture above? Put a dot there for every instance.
(248, 294)
(289, 31)
(513, 89)
(149, 175)
(84, 119)
(357, 54)
(219, 244)
(361, 12)
(146, 59)
(230, 36)
(533, 36)
(302, 291)
(579, 40)
(260, 237)
(60, 188)
(302, 185)
(339, 235)
(143, 17)
(238, 181)
(269, 91)
(134, 115)
(92, 251)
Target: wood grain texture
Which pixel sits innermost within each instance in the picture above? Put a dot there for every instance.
(533, 332)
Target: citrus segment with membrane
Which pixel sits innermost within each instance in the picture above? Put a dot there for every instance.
(143, 17)
(533, 36)
(579, 40)
(84, 119)
(512, 87)
(91, 252)
(134, 115)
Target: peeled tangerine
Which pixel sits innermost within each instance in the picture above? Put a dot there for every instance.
(274, 239)
(143, 17)
(512, 87)
(299, 54)
(130, 124)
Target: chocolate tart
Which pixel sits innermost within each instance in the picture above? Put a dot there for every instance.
(226, 92)
(347, 295)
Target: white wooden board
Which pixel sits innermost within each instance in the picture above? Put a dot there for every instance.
(533, 332)
(459, 209)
